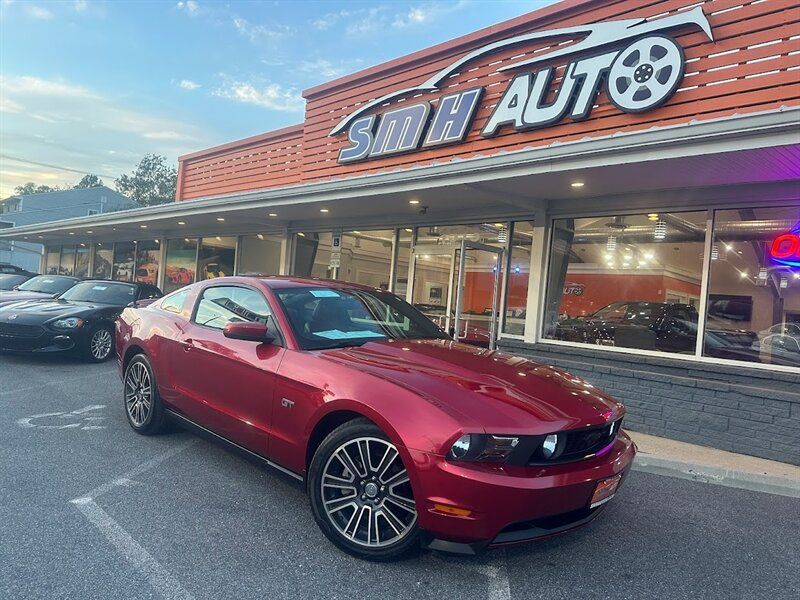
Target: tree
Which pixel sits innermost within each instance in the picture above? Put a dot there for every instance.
(88, 181)
(32, 188)
(152, 182)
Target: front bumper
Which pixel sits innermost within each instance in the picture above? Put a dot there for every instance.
(510, 505)
(41, 340)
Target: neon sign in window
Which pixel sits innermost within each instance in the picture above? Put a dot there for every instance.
(785, 248)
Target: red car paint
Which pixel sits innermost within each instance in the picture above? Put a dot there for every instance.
(424, 394)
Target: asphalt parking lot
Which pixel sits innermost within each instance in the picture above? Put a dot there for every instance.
(89, 509)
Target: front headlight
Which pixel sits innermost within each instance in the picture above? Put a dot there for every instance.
(483, 448)
(68, 323)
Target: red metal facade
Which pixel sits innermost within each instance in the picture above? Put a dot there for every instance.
(752, 65)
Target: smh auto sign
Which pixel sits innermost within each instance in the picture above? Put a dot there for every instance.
(637, 62)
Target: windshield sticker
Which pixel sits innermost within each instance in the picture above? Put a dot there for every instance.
(324, 294)
(99, 288)
(337, 334)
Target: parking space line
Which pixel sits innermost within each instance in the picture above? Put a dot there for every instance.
(158, 577)
(126, 479)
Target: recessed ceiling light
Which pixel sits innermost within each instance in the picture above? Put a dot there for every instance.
(72, 233)
(577, 184)
(41, 237)
(409, 230)
(323, 210)
(143, 226)
(273, 214)
(181, 222)
(413, 201)
(652, 217)
(89, 231)
(260, 236)
(220, 219)
(301, 234)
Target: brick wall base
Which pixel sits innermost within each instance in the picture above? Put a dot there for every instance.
(735, 408)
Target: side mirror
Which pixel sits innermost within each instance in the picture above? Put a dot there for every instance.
(248, 331)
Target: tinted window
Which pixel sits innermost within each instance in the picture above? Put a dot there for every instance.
(174, 302)
(329, 318)
(101, 292)
(221, 305)
(48, 285)
(146, 292)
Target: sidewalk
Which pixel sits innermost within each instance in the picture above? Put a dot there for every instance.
(663, 456)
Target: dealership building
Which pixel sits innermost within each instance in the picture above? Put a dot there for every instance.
(608, 186)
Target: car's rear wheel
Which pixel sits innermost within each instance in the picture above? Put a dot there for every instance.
(100, 344)
(143, 406)
(361, 494)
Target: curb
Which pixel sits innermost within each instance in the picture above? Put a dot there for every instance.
(769, 484)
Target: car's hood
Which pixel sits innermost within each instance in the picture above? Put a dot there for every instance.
(39, 311)
(502, 392)
(7, 297)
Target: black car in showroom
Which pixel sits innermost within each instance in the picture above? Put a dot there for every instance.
(40, 287)
(81, 319)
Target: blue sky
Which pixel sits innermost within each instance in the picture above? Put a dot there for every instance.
(93, 85)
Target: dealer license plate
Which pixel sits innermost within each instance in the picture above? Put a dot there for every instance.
(605, 490)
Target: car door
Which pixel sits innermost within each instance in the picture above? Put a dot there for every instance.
(228, 385)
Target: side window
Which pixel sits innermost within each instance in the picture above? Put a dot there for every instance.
(174, 302)
(148, 292)
(221, 305)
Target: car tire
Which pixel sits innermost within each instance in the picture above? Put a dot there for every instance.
(141, 401)
(367, 512)
(99, 344)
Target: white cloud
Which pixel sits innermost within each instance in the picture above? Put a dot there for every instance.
(372, 20)
(322, 67)
(80, 5)
(424, 14)
(270, 95)
(165, 135)
(28, 85)
(190, 6)
(257, 33)
(328, 20)
(7, 105)
(38, 12)
(188, 84)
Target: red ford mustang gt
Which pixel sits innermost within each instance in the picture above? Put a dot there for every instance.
(403, 436)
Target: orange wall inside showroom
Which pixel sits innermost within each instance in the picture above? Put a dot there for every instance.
(478, 291)
(602, 289)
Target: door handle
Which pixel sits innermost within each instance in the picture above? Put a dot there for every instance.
(187, 345)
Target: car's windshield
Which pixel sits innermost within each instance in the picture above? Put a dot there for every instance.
(101, 292)
(48, 284)
(8, 281)
(331, 318)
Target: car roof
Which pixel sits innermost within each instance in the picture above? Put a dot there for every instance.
(276, 282)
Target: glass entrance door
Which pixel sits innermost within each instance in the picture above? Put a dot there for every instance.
(477, 294)
(457, 287)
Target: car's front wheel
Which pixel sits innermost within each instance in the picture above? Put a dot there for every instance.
(143, 405)
(100, 343)
(361, 494)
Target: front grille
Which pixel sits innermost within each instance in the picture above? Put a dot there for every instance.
(20, 330)
(578, 443)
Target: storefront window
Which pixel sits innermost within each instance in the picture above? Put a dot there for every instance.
(630, 281)
(180, 264)
(312, 255)
(67, 265)
(366, 257)
(518, 277)
(754, 288)
(103, 258)
(53, 260)
(217, 257)
(405, 236)
(148, 259)
(82, 261)
(260, 254)
(124, 254)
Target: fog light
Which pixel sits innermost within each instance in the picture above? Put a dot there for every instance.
(549, 445)
(453, 511)
(461, 446)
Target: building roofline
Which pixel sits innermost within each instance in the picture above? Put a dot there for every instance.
(463, 40)
(255, 139)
